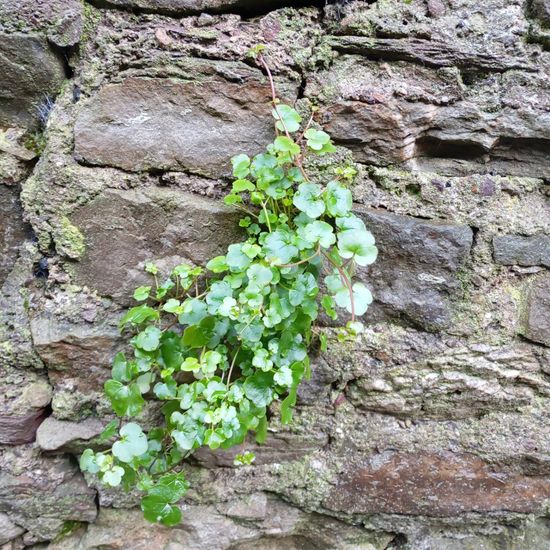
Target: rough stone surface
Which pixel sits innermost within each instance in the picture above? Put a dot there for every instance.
(538, 311)
(55, 435)
(30, 73)
(431, 431)
(524, 251)
(418, 272)
(13, 231)
(434, 485)
(158, 224)
(144, 124)
(41, 494)
(272, 525)
(193, 6)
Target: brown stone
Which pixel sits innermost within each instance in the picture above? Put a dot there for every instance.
(30, 71)
(431, 484)
(415, 274)
(124, 229)
(537, 326)
(20, 429)
(147, 124)
(12, 229)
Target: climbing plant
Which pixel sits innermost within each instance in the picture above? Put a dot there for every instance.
(216, 347)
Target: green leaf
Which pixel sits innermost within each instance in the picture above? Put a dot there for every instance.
(197, 336)
(283, 377)
(283, 144)
(319, 141)
(125, 400)
(362, 297)
(132, 444)
(217, 264)
(308, 200)
(218, 291)
(156, 510)
(166, 390)
(172, 306)
(338, 199)
(242, 185)
(328, 305)
(287, 118)
(149, 339)
(109, 431)
(261, 430)
(279, 247)
(251, 250)
(236, 259)
(259, 275)
(113, 477)
(88, 462)
(318, 232)
(241, 166)
(214, 390)
(138, 315)
(358, 245)
(258, 388)
(122, 370)
(142, 293)
(170, 487)
(194, 311)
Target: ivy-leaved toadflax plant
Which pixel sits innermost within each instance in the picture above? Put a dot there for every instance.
(217, 346)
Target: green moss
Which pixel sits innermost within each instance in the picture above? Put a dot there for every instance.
(36, 142)
(69, 241)
(92, 17)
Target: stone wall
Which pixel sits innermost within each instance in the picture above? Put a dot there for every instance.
(117, 120)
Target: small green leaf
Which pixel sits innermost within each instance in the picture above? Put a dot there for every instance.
(236, 259)
(358, 245)
(287, 118)
(279, 247)
(109, 431)
(308, 200)
(132, 444)
(241, 166)
(113, 477)
(217, 264)
(338, 199)
(283, 144)
(318, 232)
(156, 510)
(258, 388)
(138, 315)
(242, 185)
(319, 141)
(88, 462)
(259, 275)
(149, 339)
(142, 293)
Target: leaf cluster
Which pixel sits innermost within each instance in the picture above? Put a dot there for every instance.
(215, 347)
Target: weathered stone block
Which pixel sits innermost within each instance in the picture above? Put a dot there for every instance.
(524, 251)
(182, 7)
(415, 374)
(78, 357)
(12, 229)
(56, 435)
(124, 229)
(416, 271)
(40, 494)
(444, 484)
(30, 71)
(159, 124)
(61, 21)
(23, 400)
(537, 325)
(396, 112)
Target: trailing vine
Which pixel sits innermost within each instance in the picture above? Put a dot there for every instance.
(216, 347)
